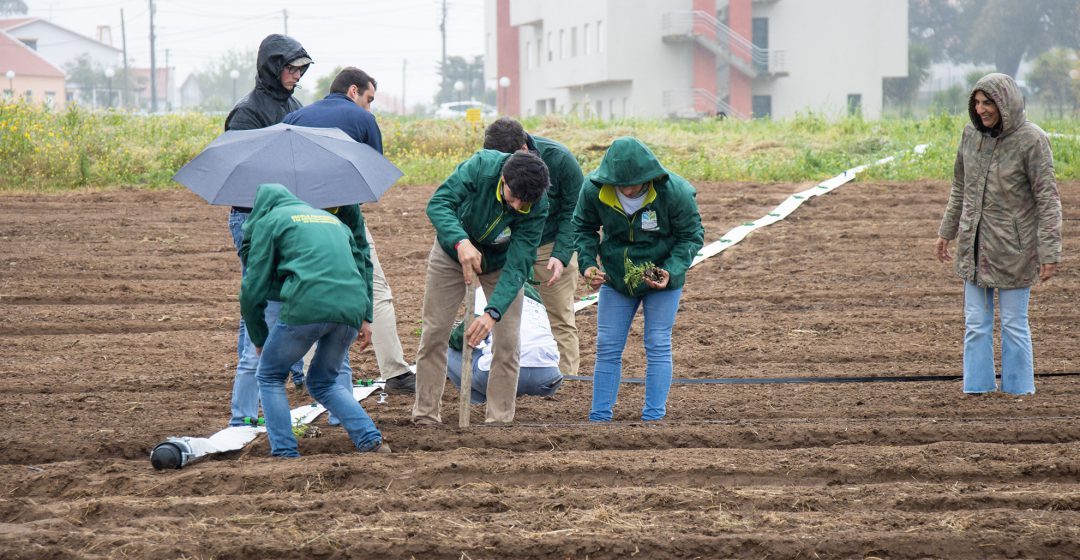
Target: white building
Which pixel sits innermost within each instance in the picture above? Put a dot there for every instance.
(61, 46)
(691, 58)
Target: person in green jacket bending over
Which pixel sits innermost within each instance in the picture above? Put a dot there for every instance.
(489, 216)
(310, 258)
(650, 220)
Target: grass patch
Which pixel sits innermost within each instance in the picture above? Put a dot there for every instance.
(44, 151)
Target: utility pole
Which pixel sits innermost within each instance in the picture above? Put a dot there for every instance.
(167, 106)
(153, 63)
(442, 28)
(404, 105)
(285, 16)
(123, 39)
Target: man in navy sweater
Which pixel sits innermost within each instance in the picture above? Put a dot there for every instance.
(348, 107)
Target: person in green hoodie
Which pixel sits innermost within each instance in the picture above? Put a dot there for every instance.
(649, 217)
(489, 217)
(308, 260)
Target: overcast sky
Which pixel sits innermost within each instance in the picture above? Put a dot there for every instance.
(375, 36)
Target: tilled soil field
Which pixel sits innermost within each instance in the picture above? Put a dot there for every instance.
(119, 330)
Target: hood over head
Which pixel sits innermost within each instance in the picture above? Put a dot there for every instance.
(275, 52)
(269, 197)
(1004, 92)
(628, 162)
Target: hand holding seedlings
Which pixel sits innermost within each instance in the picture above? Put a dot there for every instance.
(653, 276)
(594, 277)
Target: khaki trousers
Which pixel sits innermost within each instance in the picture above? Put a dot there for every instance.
(384, 335)
(444, 291)
(559, 302)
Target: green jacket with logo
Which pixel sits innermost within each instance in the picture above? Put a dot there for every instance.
(309, 257)
(666, 230)
(469, 205)
(562, 195)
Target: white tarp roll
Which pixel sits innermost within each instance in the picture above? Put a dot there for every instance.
(188, 449)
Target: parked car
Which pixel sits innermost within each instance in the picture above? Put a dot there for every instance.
(457, 109)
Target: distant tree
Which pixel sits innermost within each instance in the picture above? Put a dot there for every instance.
(1051, 80)
(88, 77)
(471, 74)
(1005, 32)
(942, 26)
(217, 87)
(902, 91)
(322, 85)
(12, 7)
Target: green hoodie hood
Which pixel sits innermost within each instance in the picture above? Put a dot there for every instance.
(628, 162)
(270, 196)
(1004, 92)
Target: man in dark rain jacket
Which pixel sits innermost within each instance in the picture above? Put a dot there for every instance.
(489, 216)
(281, 63)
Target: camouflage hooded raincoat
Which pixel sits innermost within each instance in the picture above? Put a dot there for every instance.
(1004, 210)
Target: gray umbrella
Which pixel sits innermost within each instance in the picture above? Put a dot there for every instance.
(324, 167)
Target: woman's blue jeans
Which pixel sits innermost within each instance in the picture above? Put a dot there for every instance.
(1017, 362)
(285, 344)
(614, 314)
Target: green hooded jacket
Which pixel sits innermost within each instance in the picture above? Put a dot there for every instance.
(562, 195)
(309, 257)
(1004, 209)
(666, 230)
(469, 205)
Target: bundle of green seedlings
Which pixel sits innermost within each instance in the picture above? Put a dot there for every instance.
(637, 273)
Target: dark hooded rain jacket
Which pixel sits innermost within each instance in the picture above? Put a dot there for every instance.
(269, 102)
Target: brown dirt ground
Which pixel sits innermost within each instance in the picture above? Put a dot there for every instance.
(119, 315)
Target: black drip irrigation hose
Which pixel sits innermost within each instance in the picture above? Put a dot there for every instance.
(829, 379)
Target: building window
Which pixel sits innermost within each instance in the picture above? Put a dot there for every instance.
(761, 106)
(562, 44)
(588, 39)
(550, 47)
(600, 109)
(528, 55)
(539, 50)
(854, 104)
(29, 98)
(759, 35)
(600, 37)
(50, 99)
(626, 107)
(9, 95)
(573, 41)
(611, 108)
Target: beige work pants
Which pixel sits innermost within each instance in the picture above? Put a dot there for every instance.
(559, 302)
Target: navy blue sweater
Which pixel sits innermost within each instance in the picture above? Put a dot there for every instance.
(337, 111)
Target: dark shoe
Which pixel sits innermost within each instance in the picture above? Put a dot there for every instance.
(402, 383)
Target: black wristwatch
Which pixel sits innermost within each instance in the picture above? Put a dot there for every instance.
(493, 314)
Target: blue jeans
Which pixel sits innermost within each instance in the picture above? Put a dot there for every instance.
(537, 381)
(245, 394)
(285, 344)
(1017, 362)
(614, 314)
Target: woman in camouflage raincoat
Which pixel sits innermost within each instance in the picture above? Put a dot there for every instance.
(1005, 214)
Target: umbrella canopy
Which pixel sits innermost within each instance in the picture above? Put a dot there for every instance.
(323, 167)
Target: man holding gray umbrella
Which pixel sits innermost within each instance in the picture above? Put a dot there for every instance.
(281, 62)
(348, 108)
